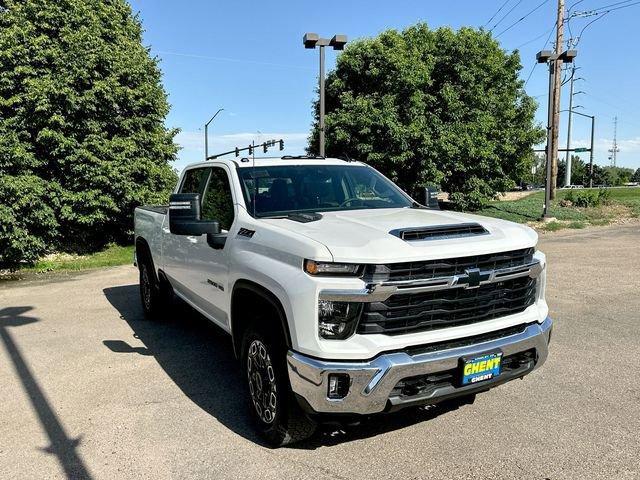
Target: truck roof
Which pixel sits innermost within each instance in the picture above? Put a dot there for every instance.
(244, 162)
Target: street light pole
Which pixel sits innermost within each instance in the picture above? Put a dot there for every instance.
(312, 40)
(321, 106)
(554, 60)
(206, 134)
(593, 129)
(547, 189)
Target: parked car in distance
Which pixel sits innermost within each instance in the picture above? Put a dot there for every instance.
(344, 297)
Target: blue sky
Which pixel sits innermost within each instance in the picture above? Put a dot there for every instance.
(248, 58)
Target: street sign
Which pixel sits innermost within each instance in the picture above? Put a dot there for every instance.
(581, 150)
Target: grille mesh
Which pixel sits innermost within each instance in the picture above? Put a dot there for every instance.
(422, 311)
(424, 270)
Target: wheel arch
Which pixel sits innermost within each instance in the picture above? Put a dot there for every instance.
(247, 297)
(143, 254)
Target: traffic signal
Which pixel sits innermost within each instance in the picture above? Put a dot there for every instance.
(281, 142)
(250, 149)
(264, 146)
(237, 152)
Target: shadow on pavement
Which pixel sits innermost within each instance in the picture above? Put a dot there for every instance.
(63, 447)
(198, 357)
(195, 353)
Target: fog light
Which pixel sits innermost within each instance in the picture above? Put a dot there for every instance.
(338, 320)
(338, 385)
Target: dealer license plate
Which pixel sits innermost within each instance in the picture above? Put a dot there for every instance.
(482, 368)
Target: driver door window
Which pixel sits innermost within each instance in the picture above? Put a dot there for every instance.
(217, 203)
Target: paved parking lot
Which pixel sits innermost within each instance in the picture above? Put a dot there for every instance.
(88, 388)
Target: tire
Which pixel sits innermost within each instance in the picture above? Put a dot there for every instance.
(151, 295)
(275, 411)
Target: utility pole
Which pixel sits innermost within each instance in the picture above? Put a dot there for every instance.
(593, 127)
(614, 149)
(556, 97)
(567, 158)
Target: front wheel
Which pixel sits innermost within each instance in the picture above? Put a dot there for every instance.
(277, 414)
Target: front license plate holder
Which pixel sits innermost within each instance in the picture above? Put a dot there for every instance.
(480, 368)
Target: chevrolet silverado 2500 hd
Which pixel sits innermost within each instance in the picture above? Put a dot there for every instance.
(343, 295)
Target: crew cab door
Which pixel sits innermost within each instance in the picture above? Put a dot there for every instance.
(197, 270)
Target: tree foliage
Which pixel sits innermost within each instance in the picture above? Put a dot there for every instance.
(82, 135)
(433, 106)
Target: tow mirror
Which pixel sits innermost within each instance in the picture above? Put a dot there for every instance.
(429, 197)
(184, 216)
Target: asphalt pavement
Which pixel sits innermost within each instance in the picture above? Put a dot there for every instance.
(89, 389)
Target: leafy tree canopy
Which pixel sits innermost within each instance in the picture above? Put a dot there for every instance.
(82, 135)
(433, 106)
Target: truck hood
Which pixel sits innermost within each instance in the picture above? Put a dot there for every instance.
(363, 236)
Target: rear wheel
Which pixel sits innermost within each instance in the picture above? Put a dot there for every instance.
(277, 414)
(152, 294)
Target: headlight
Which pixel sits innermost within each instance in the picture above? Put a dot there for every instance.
(328, 268)
(338, 320)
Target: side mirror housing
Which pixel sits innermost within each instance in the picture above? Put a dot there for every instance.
(429, 197)
(184, 216)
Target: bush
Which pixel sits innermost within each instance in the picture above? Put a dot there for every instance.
(28, 225)
(585, 199)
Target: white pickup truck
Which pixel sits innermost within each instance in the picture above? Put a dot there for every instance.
(342, 295)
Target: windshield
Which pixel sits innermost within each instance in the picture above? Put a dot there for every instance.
(282, 190)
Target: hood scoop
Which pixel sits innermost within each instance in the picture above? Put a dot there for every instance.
(439, 232)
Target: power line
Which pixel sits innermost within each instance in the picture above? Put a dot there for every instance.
(494, 15)
(505, 15)
(537, 38)
(234, 60)
(535, 64)
(604, 7)
(621, 7)
(579, 37)
(573, 5)
(522, 18)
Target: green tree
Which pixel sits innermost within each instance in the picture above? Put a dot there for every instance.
(601, 176)
(579, 172)
(619, 175)
(636, 176)
(82, 135)
(429, 106)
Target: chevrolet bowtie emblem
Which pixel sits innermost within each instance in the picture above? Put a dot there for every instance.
(473, 278)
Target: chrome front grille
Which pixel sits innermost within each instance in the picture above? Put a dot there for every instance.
(419, 296)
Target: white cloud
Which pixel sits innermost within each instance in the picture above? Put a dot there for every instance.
(192, 144)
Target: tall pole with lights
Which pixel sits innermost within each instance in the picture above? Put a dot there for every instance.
(553, 59)
(312, 40)
(206, 133)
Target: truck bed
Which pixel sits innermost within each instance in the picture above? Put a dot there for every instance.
(148, 221)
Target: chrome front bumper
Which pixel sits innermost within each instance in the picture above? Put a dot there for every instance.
(372, 381)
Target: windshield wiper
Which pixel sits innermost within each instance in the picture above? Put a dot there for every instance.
(302, 217)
